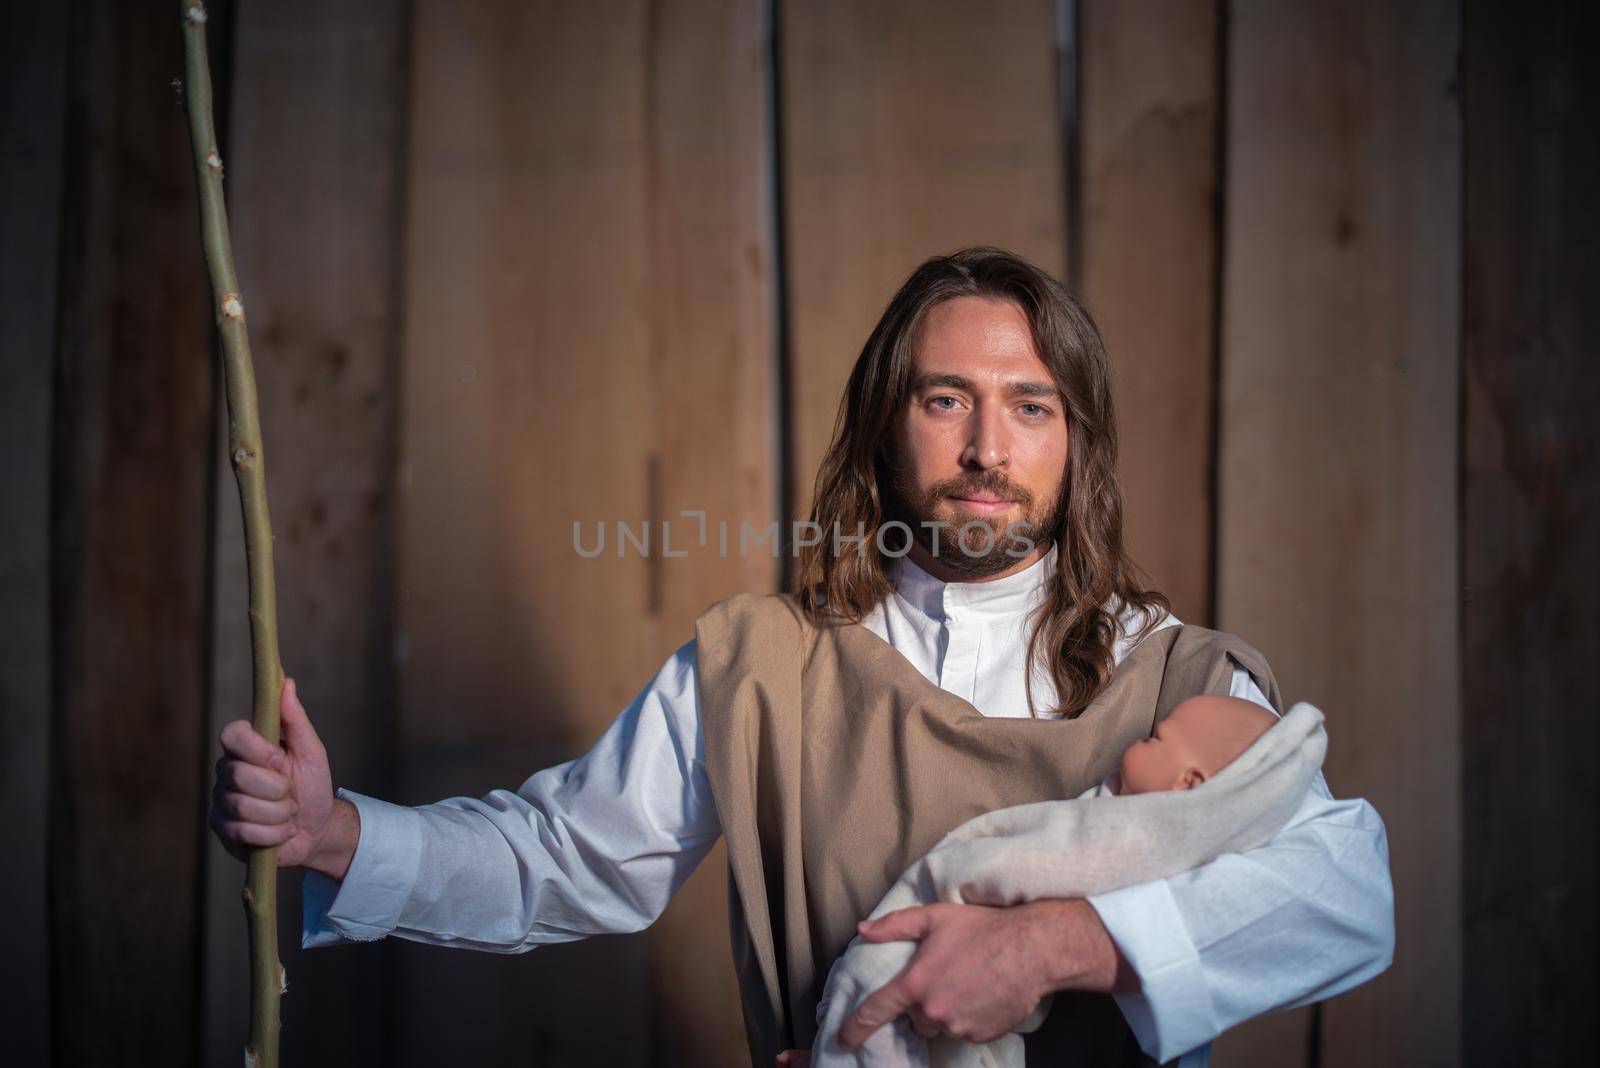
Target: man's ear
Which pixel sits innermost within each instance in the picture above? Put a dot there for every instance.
(1191, 777)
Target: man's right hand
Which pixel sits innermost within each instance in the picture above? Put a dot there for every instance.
(267, 796)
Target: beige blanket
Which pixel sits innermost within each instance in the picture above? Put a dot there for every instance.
(1065, 849)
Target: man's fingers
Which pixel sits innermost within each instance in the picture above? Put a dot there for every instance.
(896, 997)
(883, 1005)
(251, 834)
(240, 741)
(238, 777)
(247, 809)
(214, 820)
(922, 1025)
(902, 925)
(298, 734)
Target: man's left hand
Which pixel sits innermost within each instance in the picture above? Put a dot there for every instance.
(979, 971)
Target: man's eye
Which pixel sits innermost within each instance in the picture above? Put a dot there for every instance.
(939, 402)
(1035, 410)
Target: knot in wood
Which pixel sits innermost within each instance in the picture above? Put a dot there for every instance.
(196, 13)
(214, 161)
(232, 306)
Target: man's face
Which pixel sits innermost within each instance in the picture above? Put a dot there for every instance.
(981, 443)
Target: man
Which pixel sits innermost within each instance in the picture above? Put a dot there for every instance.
(971, 519)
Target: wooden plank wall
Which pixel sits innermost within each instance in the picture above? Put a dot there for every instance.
(1531, 514)
(131, 424)
(1337, 502)
(33, 49)
(513, 265)
(1148, 170)
(589, 260)
(911, 128)
(712, 364)
(321, 148)
(523, 408)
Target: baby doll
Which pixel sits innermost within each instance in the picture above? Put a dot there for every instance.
(1219, 774)
(1199, 737)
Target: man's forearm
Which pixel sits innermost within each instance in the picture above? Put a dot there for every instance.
(339, 839)
(1079, 953)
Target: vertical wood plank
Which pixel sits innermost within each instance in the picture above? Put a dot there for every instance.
(588, 339)
(313, 169)
(1148, 126)
(911, 129)
(525, 407)
(710, 309)
(1531, 521)
(1337, 505)
(33, 52)
(131, 474)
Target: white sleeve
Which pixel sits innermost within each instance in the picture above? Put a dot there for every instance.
(1304, 917)
(597, 845)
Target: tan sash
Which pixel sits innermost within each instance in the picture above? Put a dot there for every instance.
(835, 765)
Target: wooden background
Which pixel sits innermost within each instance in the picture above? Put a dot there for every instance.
(511, 265)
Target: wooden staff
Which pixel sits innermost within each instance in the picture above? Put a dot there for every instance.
(267, 981)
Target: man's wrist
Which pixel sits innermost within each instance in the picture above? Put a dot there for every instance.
(1080, 953)
(337, 846)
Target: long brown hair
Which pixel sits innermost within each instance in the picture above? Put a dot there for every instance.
(1075, 629)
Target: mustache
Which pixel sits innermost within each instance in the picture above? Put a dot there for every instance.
(980, 482)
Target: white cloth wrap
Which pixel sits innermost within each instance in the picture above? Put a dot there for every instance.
(1076, 848)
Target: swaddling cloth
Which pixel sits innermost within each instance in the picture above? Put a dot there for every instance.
(1063, 849)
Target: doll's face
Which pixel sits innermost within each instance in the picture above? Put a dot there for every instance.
(1199, 737)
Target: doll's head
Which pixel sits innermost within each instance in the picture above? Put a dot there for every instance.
(1199, 737)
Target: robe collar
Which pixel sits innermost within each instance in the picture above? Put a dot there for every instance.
(940, 600)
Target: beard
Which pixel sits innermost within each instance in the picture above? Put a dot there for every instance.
(972, 543)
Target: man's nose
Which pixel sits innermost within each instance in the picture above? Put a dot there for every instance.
(989, 445)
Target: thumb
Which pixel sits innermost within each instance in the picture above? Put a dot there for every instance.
(298, 734)
(892, 999)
